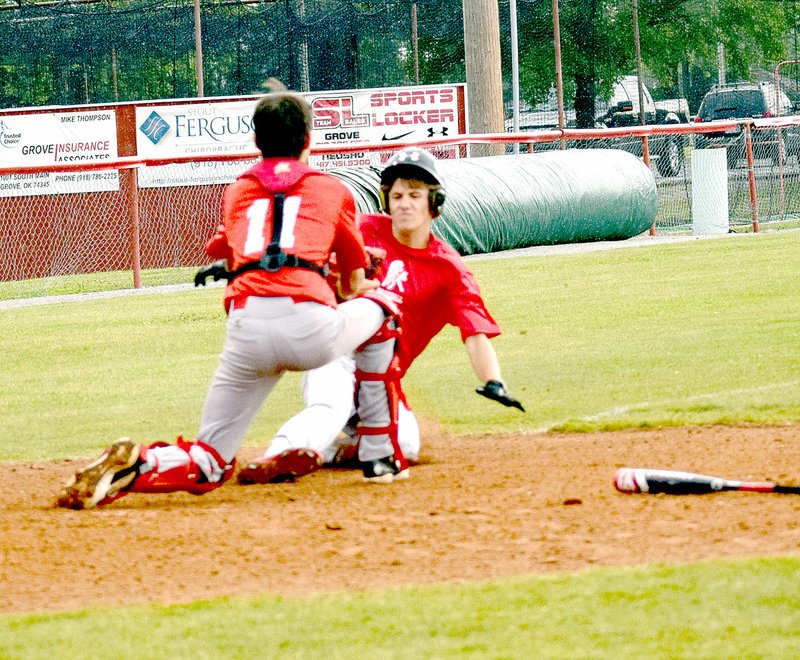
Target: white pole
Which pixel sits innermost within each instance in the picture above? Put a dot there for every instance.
(512, 6)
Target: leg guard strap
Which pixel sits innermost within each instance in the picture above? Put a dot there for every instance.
(384, 299)
(194, 467)
(390, 329)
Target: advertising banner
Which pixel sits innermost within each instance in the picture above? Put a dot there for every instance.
(166, 131)
(58, 137)
(345, 118)
(392, 114)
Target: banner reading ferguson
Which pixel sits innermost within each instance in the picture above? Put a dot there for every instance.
(58, 137)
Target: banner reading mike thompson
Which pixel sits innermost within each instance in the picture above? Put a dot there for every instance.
(57, 137)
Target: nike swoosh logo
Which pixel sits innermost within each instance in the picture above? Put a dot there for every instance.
(396, 137)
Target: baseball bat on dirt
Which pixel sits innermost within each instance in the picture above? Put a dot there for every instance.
(671, 482)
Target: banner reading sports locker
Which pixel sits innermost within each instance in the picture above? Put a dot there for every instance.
(392, 114)
(58, 137)
(346, 118)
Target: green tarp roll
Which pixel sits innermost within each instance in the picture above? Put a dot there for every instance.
(506, 202)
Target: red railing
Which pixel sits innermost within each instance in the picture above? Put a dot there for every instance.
(128, 201)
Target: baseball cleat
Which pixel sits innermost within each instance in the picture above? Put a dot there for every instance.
(104, 480)
(383, 471)
(289, 465)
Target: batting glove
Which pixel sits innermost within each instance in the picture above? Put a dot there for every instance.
(496, 391)
(217, 270)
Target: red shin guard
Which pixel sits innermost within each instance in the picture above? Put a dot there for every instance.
(391, 381)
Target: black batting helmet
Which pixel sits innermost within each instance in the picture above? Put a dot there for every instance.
(418, 164)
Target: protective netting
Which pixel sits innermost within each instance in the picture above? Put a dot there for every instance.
(493, 203)
(65, 234)
(65, 53)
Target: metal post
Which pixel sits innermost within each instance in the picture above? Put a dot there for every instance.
(751, 175)
(114, 72)
(640, 84)
(302, 50)
(639, 70)
(781, 152)
(133, 205)
(512, 8)
(559, 71)
(415, 41)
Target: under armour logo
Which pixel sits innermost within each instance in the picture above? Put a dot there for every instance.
(396, 276)
(432, 132)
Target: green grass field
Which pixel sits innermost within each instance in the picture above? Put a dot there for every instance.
(724, 609)
(697, 332)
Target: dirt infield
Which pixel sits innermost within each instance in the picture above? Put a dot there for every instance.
(477, 507)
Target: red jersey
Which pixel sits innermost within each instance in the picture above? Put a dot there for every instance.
(318, 218)
(432, 286)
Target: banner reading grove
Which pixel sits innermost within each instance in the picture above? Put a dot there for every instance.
(58, 137)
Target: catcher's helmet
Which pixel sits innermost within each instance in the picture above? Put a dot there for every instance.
(414, 163)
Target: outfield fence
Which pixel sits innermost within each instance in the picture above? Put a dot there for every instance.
(127, 226)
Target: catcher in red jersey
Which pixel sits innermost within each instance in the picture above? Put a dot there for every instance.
(433, 287)
(281, 221)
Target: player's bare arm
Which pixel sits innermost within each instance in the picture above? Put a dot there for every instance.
(484, 363)
(482, 357)
(355, 284)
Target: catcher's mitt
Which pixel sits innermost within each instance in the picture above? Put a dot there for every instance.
(376, 256)
(218, 271)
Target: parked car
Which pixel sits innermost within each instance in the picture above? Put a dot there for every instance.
(666, 151)
(622, 109)
(747, 101)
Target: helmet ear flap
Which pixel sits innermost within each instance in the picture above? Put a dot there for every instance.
(436, 201)
(384, 198)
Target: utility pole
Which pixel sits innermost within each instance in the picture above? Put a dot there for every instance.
(198, 48)
(484, 73)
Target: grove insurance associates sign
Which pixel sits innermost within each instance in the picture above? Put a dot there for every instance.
(58, 137)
